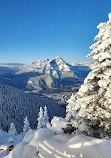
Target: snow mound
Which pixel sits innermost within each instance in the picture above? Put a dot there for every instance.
(8, 142)
(44, 144)
(57, 123)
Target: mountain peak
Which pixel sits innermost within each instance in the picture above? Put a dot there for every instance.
(58, 57)
(48, 73)
(54, 67)
(46, 60)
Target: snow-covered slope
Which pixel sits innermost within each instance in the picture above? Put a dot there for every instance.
(51, 142)
(45, 144)
(8, 142)
(15, 105)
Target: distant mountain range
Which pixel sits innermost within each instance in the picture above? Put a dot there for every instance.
(39, 75)
(81, 64)
(11, 65)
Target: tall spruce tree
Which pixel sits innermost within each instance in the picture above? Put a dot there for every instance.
(90, 109)
(46, 118)
(26, 127)
(12, 129)
(40, 119)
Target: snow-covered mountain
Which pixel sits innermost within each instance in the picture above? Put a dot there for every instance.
(56, 68)
(49, 73)
(15, 105)
(43, 75)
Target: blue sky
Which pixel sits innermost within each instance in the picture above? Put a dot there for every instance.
(38, 29)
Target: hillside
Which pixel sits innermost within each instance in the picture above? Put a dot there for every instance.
(15, 105)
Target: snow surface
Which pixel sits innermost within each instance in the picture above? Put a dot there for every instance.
(46, 143)
(6, 140)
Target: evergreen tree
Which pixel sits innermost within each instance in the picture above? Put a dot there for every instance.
(40, 119)
(26, 127)
(46, 118)
(90, 109)
(12, 129)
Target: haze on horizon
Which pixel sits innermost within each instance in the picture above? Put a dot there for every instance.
(40, 29)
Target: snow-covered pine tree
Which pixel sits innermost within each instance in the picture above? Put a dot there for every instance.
(12, 129)
(40, 119)
(46, 118)
(26, 127)
(90, 109)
